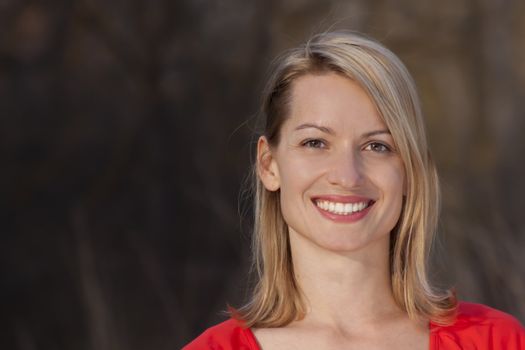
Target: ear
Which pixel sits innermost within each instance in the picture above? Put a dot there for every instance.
(267, 168)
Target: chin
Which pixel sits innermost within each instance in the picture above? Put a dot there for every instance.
(339, 246)
(343, 247)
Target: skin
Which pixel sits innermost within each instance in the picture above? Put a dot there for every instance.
(335, 143)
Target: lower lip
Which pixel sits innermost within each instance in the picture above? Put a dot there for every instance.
(345, 218)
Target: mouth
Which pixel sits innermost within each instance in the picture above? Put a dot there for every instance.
(343, 208)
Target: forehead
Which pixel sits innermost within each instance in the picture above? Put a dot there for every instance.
(331, 98)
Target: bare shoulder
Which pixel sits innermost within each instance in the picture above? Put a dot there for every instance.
(275, 338)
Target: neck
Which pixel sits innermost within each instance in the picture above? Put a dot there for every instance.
(358, 280)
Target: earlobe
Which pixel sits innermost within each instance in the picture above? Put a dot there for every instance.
(266, 165)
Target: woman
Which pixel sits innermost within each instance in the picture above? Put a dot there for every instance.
(346, 206)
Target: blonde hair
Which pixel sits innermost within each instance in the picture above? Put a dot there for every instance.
(277, 299)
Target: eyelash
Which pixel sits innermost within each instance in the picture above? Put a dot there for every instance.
(318, 143)
(310, 143)
(386, 148)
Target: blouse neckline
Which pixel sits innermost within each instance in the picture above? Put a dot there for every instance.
(254, 344)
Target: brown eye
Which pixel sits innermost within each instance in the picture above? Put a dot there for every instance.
(314, 143)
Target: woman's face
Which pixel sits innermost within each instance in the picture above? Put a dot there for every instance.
(340, 177)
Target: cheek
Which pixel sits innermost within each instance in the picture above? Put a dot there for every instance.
(297, 173)
(390, 178)
(396, 183)
(297, 177)
(393, 188)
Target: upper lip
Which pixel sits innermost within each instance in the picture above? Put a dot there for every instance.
(341, 199)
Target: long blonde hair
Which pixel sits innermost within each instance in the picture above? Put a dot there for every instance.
(276, 299)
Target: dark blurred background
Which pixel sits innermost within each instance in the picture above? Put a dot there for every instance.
(126, 135)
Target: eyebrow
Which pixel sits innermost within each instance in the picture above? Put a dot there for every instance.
(376, 132)
(315, 126)
(330, 131)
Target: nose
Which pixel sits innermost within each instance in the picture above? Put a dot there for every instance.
(346, 169)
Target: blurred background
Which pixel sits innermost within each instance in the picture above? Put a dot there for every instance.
(126, 136)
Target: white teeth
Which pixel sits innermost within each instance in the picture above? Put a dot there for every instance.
(341, 208)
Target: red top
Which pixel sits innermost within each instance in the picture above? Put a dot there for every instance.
(477, 327)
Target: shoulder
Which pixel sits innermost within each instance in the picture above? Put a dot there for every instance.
(481, 327)
(228, 335)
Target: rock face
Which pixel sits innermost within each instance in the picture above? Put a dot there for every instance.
(126, 132)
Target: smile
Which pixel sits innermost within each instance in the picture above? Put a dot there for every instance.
(342, 208)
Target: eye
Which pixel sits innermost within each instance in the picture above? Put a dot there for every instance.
(314, 143)
(378, 147)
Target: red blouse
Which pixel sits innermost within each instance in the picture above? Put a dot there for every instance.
(477, 327)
